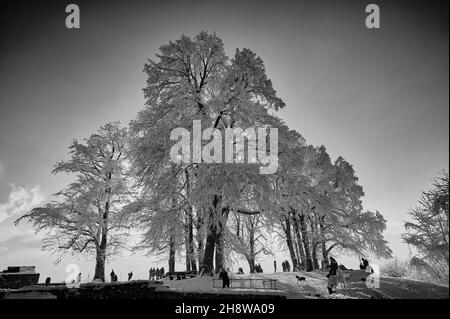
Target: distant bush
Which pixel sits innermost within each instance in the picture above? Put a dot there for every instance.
(415, 269)
(395, 268)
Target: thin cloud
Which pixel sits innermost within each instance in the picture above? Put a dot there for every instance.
(20, 201)
(27, 240)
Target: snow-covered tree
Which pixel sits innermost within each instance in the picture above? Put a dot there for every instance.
(192, 79)
(428, 230)
(86, 216)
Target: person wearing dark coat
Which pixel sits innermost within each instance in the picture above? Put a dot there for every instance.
(130, 275)
(365, 263)
(225, 279)
(361, 265)
(113, 276)
(332, 275)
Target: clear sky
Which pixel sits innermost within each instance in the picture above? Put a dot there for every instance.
(379, 98)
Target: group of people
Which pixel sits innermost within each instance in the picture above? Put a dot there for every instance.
(156, 273)
(364, 265)
(333, 272)
(113, 276)
(258, 268)
(286, 266)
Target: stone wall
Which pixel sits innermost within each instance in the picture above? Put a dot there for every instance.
(140, 289)
(17, 280)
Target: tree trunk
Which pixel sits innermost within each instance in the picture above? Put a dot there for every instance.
(188, 258)
(219, 252)
(171, 254)
(251, 263)
(251, 239)
(287, 231)
(190, 252)
(100, 265)
(305, 239)
(101, 248)
(189, 244)
(207, 265)
(199, 238)
(299, 241)
(323, 242)
(297, 252)
(314, 256)
(212, 237)
(315, 243)
(325, 255)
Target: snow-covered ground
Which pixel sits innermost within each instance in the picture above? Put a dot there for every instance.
(205, 284)
(315, 286)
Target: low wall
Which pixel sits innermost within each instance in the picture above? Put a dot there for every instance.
(141, 289)
(17, 280)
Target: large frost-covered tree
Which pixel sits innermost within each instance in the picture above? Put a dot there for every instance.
(86, 216)
(193, 79)
(316, 203)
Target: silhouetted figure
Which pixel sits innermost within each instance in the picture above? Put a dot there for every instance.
(113, 276)
(361, 265)
(162, 272)
(275, 265)
(225, 279)
(365, 263)
(79, 278)
(332, 275)
(130, 275)
(288, 266)
(48, 281)
(157, 273)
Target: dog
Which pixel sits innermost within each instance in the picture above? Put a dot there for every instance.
(300, 279)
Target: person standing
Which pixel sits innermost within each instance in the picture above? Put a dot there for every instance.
(130, 275)
(361, 265)
(225, 279)
(365, 264)
(112, 275)
(332, 275)
(275, 265)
